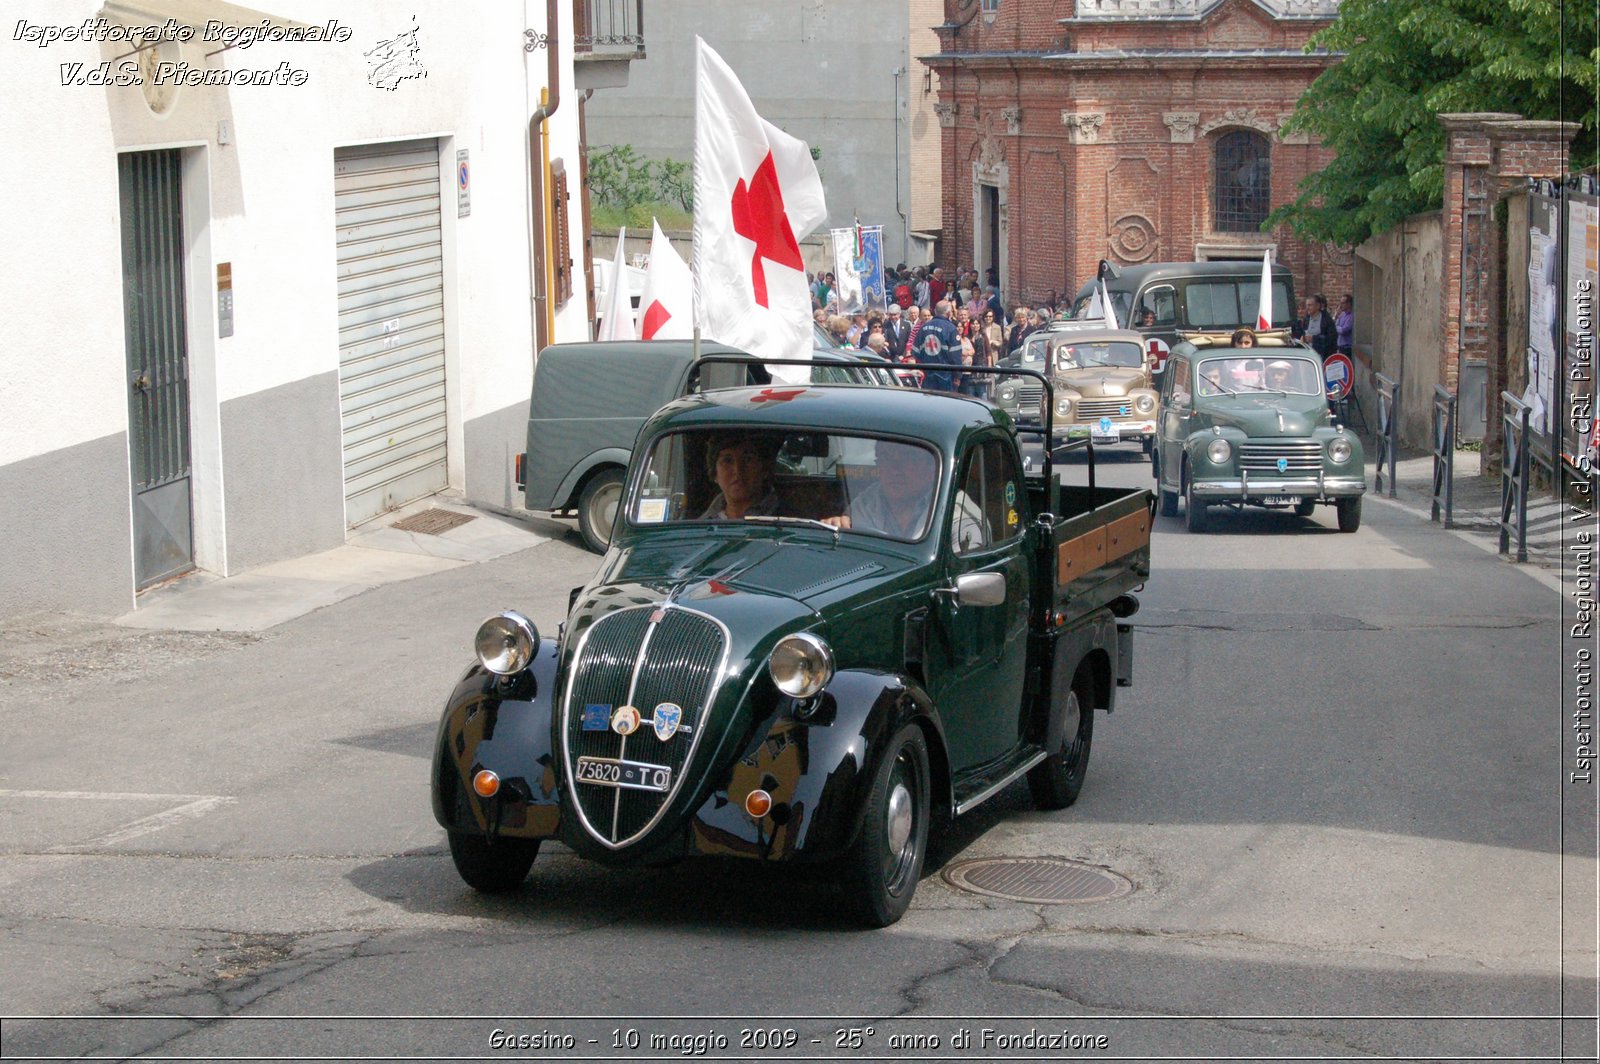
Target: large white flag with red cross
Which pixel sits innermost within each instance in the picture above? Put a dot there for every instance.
(757, 194)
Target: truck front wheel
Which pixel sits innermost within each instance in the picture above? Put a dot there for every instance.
(492, 867)
(882, 868)
(1056, 781)
(597, 508)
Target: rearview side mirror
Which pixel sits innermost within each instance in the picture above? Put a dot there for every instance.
(981, 589)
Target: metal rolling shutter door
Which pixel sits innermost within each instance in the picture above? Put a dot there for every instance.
(391, 325)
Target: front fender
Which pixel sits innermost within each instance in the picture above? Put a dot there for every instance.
(1194, 448)
(819, 770)
(501, 724)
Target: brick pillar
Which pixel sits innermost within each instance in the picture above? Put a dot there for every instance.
(1487, 156)
(1464, 294)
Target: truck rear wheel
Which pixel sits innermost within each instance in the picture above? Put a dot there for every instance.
(1056, 781)
(492, 867)
(882, 868)
(597, 508)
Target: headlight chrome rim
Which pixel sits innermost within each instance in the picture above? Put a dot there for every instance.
(505, 643)
(1219, 451)
(1008, 393)
(1063, 407)
(801, 665)
(1339, 450)
(1145, 404)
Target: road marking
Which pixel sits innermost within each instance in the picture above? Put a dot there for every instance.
(193, 807)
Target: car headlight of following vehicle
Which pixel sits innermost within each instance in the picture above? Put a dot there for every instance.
(1144, 404)
(1063, 407)
(1339, 450)
(505, 643)
(1008, 393)
(801, 665)
(1219, 451)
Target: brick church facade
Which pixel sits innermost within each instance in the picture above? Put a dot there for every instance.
(1128, 130)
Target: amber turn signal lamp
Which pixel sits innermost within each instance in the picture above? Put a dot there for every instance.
(486, 783)
(758, 804)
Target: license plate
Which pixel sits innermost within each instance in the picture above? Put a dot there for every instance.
(1282, 500)
(631, 775)
(1104, 437)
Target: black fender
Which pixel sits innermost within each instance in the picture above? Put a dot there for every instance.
(502, 724)
(818, 767)
(1091, 639)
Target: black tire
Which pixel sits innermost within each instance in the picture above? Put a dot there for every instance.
(1305, 507)
(1349, 514)
(597, 508)
(1194, 511)
(1056, 781)
(1149, 445)
(1168, 499)
(492, 868)
(882, 868)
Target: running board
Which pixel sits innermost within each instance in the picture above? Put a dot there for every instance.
(1028, 758)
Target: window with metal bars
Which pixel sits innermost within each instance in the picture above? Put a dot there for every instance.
(1243, 194)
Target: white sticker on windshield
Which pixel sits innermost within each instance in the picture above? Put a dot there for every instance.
(652, 511)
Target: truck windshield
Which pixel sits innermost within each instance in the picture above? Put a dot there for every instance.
(1089, 355)
(853, 483)
(1239, 373)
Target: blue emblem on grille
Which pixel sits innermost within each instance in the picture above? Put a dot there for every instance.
(1123, 411)
(1283, 465)
(665, 720)
(597, 717)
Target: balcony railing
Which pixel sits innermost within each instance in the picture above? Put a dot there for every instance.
(613, 29)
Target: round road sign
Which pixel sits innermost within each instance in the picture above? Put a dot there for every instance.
(1340, 374)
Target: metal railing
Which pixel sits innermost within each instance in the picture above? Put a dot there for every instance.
(1514, 470)
(1388, 430)
(1444, 454)
(608, 26)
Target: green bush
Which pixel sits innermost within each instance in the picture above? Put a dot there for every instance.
(620, 179)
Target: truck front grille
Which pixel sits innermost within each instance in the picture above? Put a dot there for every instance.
(1303, 458)
(641, 657)
(1095, 409)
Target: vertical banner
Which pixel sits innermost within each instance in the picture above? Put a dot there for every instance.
(858, 268)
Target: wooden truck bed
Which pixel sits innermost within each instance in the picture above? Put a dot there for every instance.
(1100, 544)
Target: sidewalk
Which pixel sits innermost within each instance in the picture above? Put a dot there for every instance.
(374, 554)
(1475, 509)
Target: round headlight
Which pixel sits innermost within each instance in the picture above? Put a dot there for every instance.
(1063, 408)
(1008, 393)
(1218, 451)
(505, 643)
(1144, 403)
(1339, 450)
(801, 665)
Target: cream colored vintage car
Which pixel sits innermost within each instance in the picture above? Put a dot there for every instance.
(1102, 386)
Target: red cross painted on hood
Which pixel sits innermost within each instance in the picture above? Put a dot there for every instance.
(759, 216)
(775, 395)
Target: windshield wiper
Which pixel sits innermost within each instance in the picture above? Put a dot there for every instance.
(775, 519)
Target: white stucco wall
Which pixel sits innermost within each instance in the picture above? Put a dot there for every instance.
(271, 202)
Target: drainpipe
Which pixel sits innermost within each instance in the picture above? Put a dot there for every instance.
(540, 188)
(905, 223)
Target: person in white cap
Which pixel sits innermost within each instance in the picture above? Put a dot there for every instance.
(896, 331)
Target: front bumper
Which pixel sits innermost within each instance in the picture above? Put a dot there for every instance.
(1247, 487)
(1122, 430)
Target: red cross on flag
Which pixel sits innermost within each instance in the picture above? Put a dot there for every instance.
(757, 194)
(666, 309)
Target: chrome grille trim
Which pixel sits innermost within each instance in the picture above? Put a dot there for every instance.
(709, 668)
(1029, 394)
(1096, 409)
(1304, 457)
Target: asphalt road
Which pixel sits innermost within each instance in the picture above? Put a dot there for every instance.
(1336, 786)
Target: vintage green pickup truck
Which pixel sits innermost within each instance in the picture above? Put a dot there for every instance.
(830, 617)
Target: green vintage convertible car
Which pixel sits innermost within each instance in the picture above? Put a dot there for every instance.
(1251, 426)
(830, 616)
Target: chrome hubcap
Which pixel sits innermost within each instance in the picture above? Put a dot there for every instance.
(899, 819)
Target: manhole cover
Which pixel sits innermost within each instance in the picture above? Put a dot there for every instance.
(432, 521)
(1041, 880)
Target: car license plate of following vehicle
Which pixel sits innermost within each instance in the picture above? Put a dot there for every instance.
(1113, 436)
(632, 775)
(1283, 500)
